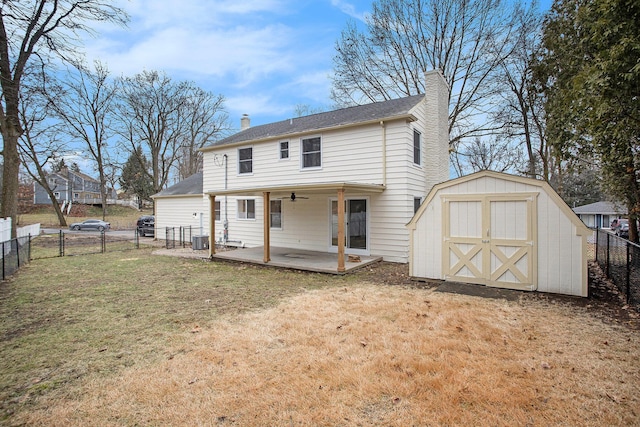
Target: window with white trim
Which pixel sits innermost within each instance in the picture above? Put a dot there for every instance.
(246, 209)
(417, 147)
(216, 209)
(245, 160)
(311, 153)
(275, 214)
(284, 150)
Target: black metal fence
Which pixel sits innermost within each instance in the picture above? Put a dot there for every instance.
(619, 259)
(15, 253)
(182, 235)
(83, 243)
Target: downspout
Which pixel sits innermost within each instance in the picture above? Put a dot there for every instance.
(225, 235)
(384, 153)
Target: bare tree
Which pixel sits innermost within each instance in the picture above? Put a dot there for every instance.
(31, 29)
(152, 110)
(205, 120)
(171, 121)
(495, 154)
(465, 39)
(522, 105)
(85, 103)
(39, 143)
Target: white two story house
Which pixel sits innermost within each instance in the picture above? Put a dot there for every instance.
(345, 181)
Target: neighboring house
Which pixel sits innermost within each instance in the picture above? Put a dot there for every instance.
(600, 214)
(341, 181)
(68, 185)
(182, 205)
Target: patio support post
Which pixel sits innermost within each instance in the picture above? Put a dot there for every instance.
(341, 230)
(212, 225)
(267, 227)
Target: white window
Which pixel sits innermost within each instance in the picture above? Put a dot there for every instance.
(417, 147)
(275, 214)
(216, 209)
(246, 209)
(284, 150)
(311, 153)
(245, 160)
(76, 196)
(56, 195)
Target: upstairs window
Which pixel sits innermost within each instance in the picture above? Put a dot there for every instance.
(284, 150)
(245, 160)
(311, 153)
(417, 152)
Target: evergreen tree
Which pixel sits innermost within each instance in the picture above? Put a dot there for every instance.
(135, 178)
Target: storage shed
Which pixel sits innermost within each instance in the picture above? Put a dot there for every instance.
(499, 230)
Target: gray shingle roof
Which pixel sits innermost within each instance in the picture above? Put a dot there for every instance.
(342, 117)
(606, 208)
(191, 185)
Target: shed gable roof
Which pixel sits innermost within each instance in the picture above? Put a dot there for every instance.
(581, 228)
(393, 108)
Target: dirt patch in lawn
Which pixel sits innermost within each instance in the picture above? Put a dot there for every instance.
(380, 350)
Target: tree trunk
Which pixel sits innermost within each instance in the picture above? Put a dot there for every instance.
(10, 180)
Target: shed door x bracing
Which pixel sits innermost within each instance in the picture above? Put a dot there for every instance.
(490, 239)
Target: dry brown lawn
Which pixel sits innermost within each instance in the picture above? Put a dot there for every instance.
(374, 355)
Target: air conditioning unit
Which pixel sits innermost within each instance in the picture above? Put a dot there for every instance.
(199, 243)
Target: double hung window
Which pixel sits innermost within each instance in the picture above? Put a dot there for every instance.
(311, 153)
(245, 160)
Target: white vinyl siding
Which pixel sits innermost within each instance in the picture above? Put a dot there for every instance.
(178, 212)
(351, 155)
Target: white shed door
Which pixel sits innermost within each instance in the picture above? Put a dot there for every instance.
(489, 239)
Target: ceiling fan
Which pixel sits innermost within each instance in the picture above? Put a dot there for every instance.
(293, 197)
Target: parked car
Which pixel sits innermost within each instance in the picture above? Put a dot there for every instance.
(90, 224)
(621, 227)
(146, 225)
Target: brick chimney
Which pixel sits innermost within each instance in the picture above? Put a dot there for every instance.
(245, 122)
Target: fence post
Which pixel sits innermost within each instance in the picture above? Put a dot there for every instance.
(17, 252)
(608, 253)
(4, 255)
(597, 241)
(136, 238)
(61, 243)
(103, 243)
(628, 272)
(29, 249)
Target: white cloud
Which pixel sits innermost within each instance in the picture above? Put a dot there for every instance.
(349, 9)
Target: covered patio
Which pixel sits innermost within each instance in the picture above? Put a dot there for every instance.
(297, 259)
(328, 262)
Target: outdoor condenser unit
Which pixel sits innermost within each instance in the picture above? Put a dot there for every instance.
(200, 243)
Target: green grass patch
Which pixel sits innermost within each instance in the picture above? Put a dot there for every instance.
(64, 319)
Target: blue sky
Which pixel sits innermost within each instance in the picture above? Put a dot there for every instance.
(264, 56)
